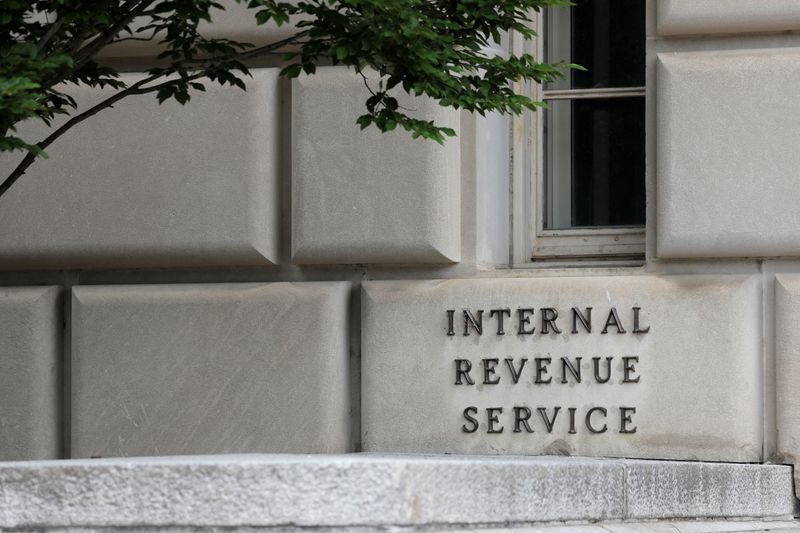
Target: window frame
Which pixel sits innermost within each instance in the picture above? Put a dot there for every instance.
(532, 242)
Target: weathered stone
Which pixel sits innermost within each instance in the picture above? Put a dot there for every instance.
(712, 490)
(143, 185)
(357, 196)
(685, 17)
(787, 368)
(30, 373)
(726, 183)
(186, 369)
(692, 389)
(355, 490)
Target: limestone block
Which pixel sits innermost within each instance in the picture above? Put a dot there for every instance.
(363, 196)
(363, 492)
(678, 379)
(187, 369)
(143, 185)
(686, 17)
(30, 373)
(727, 175)
(787, 368)
(687, 490)
(234, 22)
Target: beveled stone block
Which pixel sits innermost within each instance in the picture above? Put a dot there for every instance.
(30, 373)
(787, 368)
(143, 185)
(220, 368)
(365, 196)
(726, 183)
(234, 22)
(687, 17)
(670, 368)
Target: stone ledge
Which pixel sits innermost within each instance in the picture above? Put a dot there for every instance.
(364, 490)
(691, 17)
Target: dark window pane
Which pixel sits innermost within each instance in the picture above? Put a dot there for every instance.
(607, 37)
(595, 170)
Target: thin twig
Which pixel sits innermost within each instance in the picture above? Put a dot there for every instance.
(122, 40)
(366, 84)
(49, 34)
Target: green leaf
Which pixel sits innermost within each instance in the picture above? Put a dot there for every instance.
(291, 71)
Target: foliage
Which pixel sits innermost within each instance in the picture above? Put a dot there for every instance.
(436, 48)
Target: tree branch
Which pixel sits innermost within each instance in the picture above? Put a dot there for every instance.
(82, 52)
(122, 40)
(29, 158)
(137, 88)
(50, 34)
(154, 88)
(103, 39)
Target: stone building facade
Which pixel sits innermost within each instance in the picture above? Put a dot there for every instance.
(253, 274)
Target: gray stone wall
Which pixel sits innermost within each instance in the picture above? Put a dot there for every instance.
(253, 273)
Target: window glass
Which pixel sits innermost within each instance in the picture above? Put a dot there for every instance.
(601, 148)
(607, 37)
(594, 149)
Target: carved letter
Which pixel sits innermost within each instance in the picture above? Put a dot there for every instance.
(488, 371)
(636, 328)
(470, 419)
(463, 366)
(515, 373)
(613, 320)
(500, 313)
(628, 368)
(586, 320)
(519, 419)
(574, 370)
(625, 419)
(589, 419)
(597, 377)
(492, 419)
(548, 423)
(549, 316)
(572, 420)
(541, 370)
(524, 320)
(450, 314)
(476, 323)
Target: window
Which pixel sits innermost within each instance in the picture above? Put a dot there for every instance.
(590, 163)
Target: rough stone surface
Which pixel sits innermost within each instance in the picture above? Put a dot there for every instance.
(30, 373)
(358, 490)
(685, 490)
(685, 17)
(727, 185)
(661, 526)
(143, 185)
(357, 196)
(787, 367)
(187, 369)
(699, 367)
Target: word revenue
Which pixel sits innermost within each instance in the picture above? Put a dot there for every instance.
(523, 319)
(538, 370)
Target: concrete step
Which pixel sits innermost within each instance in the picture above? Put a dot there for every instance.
(660, 526)
(382, 491)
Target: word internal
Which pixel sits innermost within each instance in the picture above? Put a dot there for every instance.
(524, 318)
